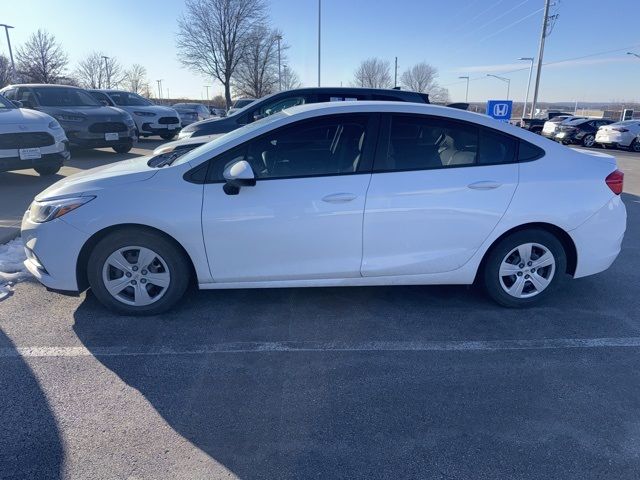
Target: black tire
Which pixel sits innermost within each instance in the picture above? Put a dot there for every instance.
(490, 274)
(168, 136)
(174, 258)
(588, 140)
(46, 170)
(635, 146)
(122, 148)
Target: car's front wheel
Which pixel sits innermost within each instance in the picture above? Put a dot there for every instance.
(168, 136)
(46, 170)
(635, 146)
(137, 272)
(524, 267)
(122, 148)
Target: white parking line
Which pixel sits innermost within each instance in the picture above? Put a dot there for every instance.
(265, 347)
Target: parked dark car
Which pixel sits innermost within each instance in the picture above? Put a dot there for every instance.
(581, 131)
(86, 122)
(279, 101)
(191, 112)
(535, 124)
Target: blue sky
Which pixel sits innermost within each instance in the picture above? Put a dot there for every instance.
(459, 37)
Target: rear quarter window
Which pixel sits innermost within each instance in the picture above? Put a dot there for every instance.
(528, 152)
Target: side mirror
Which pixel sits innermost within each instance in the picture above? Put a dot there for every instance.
(104, 103)
(239, 174)
(18, 103)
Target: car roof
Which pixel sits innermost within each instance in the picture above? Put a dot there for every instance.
(43, 85)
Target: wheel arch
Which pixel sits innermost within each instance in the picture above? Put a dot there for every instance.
(565, 239)
(89, 245)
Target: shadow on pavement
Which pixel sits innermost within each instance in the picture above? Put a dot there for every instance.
(487, 414)
(30, 443)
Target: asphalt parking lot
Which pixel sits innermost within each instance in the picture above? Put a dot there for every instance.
(379, 382)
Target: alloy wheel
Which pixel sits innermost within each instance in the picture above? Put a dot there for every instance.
(527, 270)
(588, 141)
(136, 275)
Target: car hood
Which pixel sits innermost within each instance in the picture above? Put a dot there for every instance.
(208, 121)
(97, 112)
(23, 115)
(185, 143)
(96, 179)
(157, 109)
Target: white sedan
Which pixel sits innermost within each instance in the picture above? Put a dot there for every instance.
(341, 194)
(620, 134)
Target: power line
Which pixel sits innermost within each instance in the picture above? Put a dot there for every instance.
(471, 20)
(495, 19)
(510, 25)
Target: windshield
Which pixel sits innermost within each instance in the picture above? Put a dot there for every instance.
(64, 97)
(4, 103)
(228, 137)
(186, 106)
(127, 99)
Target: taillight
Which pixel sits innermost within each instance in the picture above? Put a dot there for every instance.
(615, 181)
(620, 129)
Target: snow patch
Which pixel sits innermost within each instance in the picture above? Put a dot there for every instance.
(12, 270)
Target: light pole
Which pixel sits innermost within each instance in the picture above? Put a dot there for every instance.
(526, 97)
(279, 38)
(319, 29)
(628, 53)
(543, 36)
(6, 31)
(207, 87)
(106, 70)
(504, 79)
(466, 95)
(159, 88)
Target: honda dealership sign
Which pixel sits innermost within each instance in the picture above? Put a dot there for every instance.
(500, 109)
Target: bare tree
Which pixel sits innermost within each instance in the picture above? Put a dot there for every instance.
(290, 79)
(5, 71)
(213, 36)
(422, 78)
(218, 102)
(373, 73)
(41, 59)
(257, 72)
(135, 79)
(96, 71)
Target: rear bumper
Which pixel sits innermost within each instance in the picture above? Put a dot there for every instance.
(599, 239)
(47, 159)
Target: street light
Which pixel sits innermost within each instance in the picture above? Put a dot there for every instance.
(278, 38)
(319, 30)
(628, 53)
(504, 79)
(207, 87)
(159, 88)
(106, 71)
(6, 31)
(526, 98)
(466, 96)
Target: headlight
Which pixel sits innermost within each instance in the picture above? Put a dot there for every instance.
(40, 212)
(54, 125)
(129, 121)
(145, 114)
(63, 117)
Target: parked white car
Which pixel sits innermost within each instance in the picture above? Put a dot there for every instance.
(334, 194)
(620, 134)
(30, 139)
(550, 127)
(150, 119)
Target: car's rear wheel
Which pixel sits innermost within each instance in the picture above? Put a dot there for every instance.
(524, 267)
(168, 136)
(46, 170)
(137, 272)
(588, 140)
(122, 148)
(635, 146)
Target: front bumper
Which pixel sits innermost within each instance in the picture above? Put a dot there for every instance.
(598, 240)
(47, 159)
(85, 139)
(52, 252)
(148, 128)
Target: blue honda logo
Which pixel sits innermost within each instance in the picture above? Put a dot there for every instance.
(500, 109)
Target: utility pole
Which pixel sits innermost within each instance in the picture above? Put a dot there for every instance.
(395, 75)
(526, 97)
(207, 87)
(543, 36)
(159, 88)
(106, 71)
(319, 29)
(279, 38)
(466, 96)
(13, 65)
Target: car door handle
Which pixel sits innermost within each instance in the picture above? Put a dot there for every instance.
(339, 198)
(484, 185)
